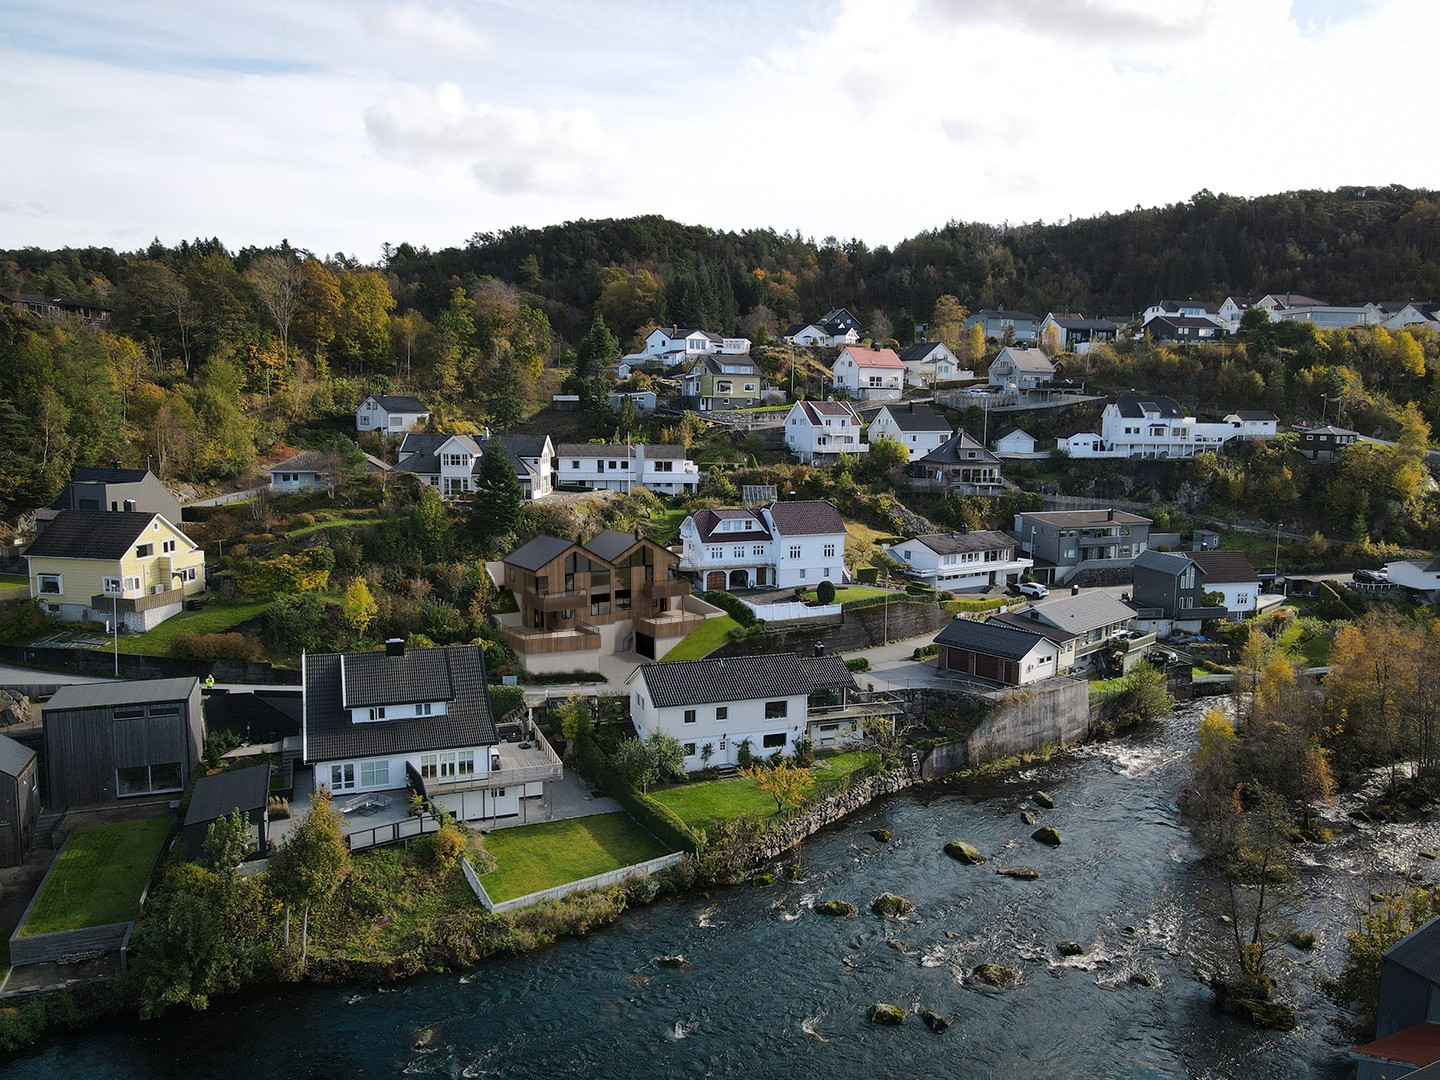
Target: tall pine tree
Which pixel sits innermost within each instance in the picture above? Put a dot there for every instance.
(499, 498)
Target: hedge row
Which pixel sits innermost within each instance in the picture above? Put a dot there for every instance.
(894, 598)
(660, 820)
(978, 603)
(733, 606)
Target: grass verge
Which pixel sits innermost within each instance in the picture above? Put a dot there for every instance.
(703, 640)
(530, 858)
(706, 803)
(216, 618)
(99, 876)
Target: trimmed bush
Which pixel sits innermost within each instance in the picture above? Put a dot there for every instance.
(733, 606)
(858, 663)
(825, 593)
(925, 652)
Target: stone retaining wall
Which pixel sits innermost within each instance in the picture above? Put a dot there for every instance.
(828, 811)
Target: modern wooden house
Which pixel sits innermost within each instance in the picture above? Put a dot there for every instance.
(246, 790)
(19, 800)
(108, 741)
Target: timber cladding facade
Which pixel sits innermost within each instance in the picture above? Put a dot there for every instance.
(108, 741)
(19, 800)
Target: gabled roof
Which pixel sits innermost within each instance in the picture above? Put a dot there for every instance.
(921, 350)
(1004, 313)
(1083, 518)
(1225, 567)
(958, 543)
(456, 676)
(537, 552)
(1419, 951)
(130, 692)
(1175, 322)
(1263, 415)
(91, 534)
(223, 793)
(1137, 407)
(1165, 562)
(873, 358)
(403, 403)
(1415, 1049)
(1033, 360)
(1083, 613)
(827, 672)
(525, 446)
(954, 449)
(918, 418)
(1289, 300)
(716, 363)
(1080, 322)
(611, 544)
(731, 678)
(14, 756)
(707, 524)
(1032, 626)
(816, 411)
(807, 517)
(305, 461)
(992, 639)
(1176, 306)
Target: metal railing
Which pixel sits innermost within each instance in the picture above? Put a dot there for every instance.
(392, 832)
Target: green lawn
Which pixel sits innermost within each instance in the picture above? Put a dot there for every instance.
(665, 528)
(215, 618)
(703, 640)
(332, 523)
(14, 579)
(856, 592)
(99, 876)
(706, 803)
(533, 857)
(1312, 653)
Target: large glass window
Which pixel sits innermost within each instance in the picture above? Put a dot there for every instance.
(375, 773)
(776, 710)
(774, 740)
(48, 583)
(342, 777)
(144, 779)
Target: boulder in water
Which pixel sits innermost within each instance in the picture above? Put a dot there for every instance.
(795, 872)
(1303, 940)
(1047, 834)
(1024, 873)
(882, 1012)
(965, 853)
(1028, 817)
(997, 976)
(841, 909)
(1142, 978)
(889, 906)
(1045, 799)
(935, 1021)
(1070, 948)
(675, 960)
(423, 1038)
(1427, 854)
(898, 945)
(880, 835)
(759, 881)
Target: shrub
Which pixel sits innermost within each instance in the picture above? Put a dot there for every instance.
(20, 621)
(446, 847)
(858, 663)
(278, 808)
(232, 646)
(733, 606)
(506, 699)
(924, 652)
(825, 593)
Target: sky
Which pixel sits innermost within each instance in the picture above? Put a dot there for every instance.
(342, 126)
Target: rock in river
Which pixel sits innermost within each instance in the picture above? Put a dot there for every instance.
(879, 835)
(839, 908)
(675, 961)
(1024, 873)
(965, 853)
(889, 906)
(1047, 834)
(1045, 799)
(995, 975)
(935, 1021)
(1070, 948)
(882, 1012)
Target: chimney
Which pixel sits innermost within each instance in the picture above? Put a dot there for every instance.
(819, 648)
(395, 646)
(912, 406)
(1109, 515)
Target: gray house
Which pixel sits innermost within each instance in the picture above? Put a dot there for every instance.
(1065, 542)
(106, 741)
(246, 790)
(112, 488)
(19, 800)
(1003, 325)
(1407, 1025)
(1170, 592)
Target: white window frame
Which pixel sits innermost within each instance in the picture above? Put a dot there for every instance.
(58, 580)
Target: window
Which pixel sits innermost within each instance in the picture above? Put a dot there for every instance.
(738, 551)
(776, 710)
(664, 466)
(377, 713)
(689, 716)
(188, 574)
(689, 749)
(716, 552)
(48, 583)
(794, 551)
(774, 741)
(829, 551)
(758, 550)
(144, 779)
(144, 551)
(574, 464)
(167, 546)
(110, 585)
(375, 773)
(722, 712)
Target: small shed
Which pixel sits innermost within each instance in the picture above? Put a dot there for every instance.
(221, 794)
(19, 800)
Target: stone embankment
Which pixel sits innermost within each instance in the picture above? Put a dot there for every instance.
(828, 811)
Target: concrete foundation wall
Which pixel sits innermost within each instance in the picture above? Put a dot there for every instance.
(1030, 717)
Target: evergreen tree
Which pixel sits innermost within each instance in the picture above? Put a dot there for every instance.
(499, 498)
(507, 391)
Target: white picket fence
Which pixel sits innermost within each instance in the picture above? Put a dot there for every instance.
(598, 881)
(791, 611)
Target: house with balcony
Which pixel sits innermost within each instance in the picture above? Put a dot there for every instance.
(616, 593)
(391, 414)
(663, 469)
(781, 545)
(59, 307)
(870, 374)
(1064, 543)
(1169, 593)
(102, 565)
(451, 463)
(723, 381)
(1017, 370)
(835, 329)
(381, 722)
(1330, 316)
(768, 703)
(1417, 314)
(928, 363)
(675, 345)
(1136, 426)
(917, 427)
(818, 432)
(1070, 332)
(1182, 309)
(1005, 325)
(1084, 626)
(1182, 330)
(1323, 443)
(960, 464)
(963, 561)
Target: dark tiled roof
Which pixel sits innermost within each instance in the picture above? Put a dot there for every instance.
(1079, 322)
(1256, 414)
(91, 534)
(1174, 306)
(992, 639)
(611, 544)
(456, 676)
(537, 552)
(808, 517)
(716, 363)
(405, 403)
(14, 756)
(915, 417)
(707, 525)
(305, 461)
(223, 793)
(1175, 322)
(664, 451)
(528, 446)
(595, 450)
(1419, 951)
(731, 678)
(1290, 300)
(827, 672)
(957, 543)
(1137, 407)
(1003, 313)
(920, 350)
(1165, 562)
(1033, 626)
(108, 475)
(954, 449)
(1224, 567)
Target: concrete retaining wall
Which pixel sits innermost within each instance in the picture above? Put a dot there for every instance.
(1028, 718)
(861, 629)
(102, 662)
(67, 944)
(598, 881)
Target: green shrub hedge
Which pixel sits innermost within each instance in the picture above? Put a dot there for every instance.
(660, 820)
(894, 598)
(858, 663)
(733, 606)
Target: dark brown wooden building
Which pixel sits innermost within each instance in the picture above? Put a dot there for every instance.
(106, 741)
(220, 795)
(19, 800)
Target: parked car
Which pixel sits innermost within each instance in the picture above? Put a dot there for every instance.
(1371, 577)
(1161, 657)
(979, 391)
(1033, 589)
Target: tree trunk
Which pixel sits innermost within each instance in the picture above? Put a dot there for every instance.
(305, 936)
(287, 924)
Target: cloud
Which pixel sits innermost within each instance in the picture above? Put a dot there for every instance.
(429, 27)
(508, 150)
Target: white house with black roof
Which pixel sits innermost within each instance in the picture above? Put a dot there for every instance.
(781, 545)
(835, 329)
(391, 414)
(996, 653)
(962, 562)
(726, 702)
(930, 362)
(620, 467)
(382, 721)
(818, 432)
(451, 463)
(1155, 426)
(917, 427)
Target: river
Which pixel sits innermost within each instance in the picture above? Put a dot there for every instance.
(776, 990)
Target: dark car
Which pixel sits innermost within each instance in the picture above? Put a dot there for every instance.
(1370, 577)
(1161, 657)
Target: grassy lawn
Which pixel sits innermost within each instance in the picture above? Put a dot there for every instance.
(333, 523)
(1312, 653)
(864, 534)
(706, 803)
(14, 579)
(214, 618)
(534, 857)
(1260, 546)
(99, 876)
(703, 639)
(857, 592)
(981, 603)
(665, 529)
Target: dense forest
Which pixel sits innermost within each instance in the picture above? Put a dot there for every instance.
(217, 360)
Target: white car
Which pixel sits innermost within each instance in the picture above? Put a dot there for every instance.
(979, 391)
(1033, 589)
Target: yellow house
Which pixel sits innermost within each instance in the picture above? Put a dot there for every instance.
(95, 565)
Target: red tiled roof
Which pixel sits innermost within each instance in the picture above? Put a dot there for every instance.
(876, 358)
(1418, 1046)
